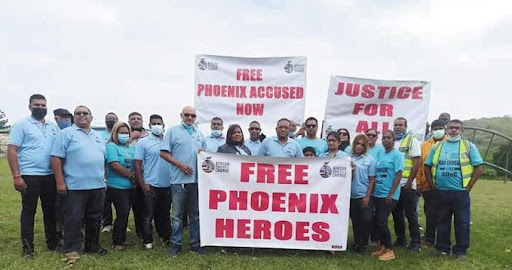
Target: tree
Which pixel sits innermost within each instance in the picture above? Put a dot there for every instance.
(3, 120)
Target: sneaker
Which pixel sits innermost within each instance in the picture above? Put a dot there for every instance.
(428, 244)
(128, 229)
(379, 252)
(72, 257)
(174, 251)
(389, 254)
(441, 253)
(461, 257)
(28, 252)
(148, 246)
(416, 248)
(199, 250)
(107, 228)
(119, 247)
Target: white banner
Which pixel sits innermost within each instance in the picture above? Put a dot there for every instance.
(359, 104)
(241, 90)
(295, 203)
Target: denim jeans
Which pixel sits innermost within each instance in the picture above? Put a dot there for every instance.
(122, 200)
(185, 195)
(430, 198)
(457, 204)
(361, 221)
(157, 206)
(382, 212)
(407, 207)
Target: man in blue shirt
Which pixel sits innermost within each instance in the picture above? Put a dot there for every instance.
(153, 176)
(281, 145)
(28, 153)
(215, 140)
(180, 147)
(78, 159)
(453, 167)
(63, 118)
(254, 142)
(311, 127)
(106, 218)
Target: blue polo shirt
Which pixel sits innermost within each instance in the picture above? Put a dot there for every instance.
(213, 143)
(254, 146)
(274, 148)
(106, 136)
(123, 154)
(449, 175)
(84, 153)
(338, 154)
(183, 146)
(365, 167)
(387, 167)
(156, 169)
(35, 141)
(376, 151)
(320, 145)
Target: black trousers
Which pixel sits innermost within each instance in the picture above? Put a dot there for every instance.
(382, 212)
(361, 221)
(38, 186)
(407, 207)
(80, 206)
(157, 207)
(138, 211)
(122, 200)
(59, 215)
(106, 217)
(430, 209)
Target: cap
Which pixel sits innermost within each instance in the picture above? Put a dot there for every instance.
(61, 111)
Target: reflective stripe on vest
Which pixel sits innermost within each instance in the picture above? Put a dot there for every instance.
(465, 163)
(406, 148)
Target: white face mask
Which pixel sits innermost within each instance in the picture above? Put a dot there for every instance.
(454, 139)
(438, 134)
(157, 130)
(216, 133)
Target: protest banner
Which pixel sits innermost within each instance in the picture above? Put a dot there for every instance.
(359, 104)
(267, 202)
(241, 90)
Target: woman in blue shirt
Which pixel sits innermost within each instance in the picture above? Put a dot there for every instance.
(333, 142)
(345, 140)
(121, 179)
(388, 174)
(363, 183)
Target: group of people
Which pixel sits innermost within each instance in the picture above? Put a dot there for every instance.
(78, 173)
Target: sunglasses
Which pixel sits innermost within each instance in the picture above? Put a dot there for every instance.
(190, 115)
(254, 128)
(84, 113)
(371, 135)
(343, 134)
(311, 126)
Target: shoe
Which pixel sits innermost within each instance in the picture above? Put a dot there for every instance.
(174, 251)
(389, 254)
(199, 250)
(461, 257)
(107, 228)
(428, 244)
(416, 248)
(92, 241)
(379, 252)
(119, 247)
(59, 247)
(399, 243)
(72, 257)
(128, 229)
(441, 253)
(148, 246)
(28, 252)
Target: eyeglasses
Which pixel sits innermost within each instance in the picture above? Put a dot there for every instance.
(343, 134)
(190, 115)
(84, 113)
(254, 129)
(371, 135)
(311, 126)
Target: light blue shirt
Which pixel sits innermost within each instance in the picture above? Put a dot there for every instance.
(254, 146)
(365, 167)
(106, 136)
(183, 146)
(35, 141)
(156, 169)
(213, 143)
(84, 153)
(387, 167)
(449, 175)
(274, 148)
(124, 155)
(338, 154)
(320, 145)
(348, 149)
(376, 151)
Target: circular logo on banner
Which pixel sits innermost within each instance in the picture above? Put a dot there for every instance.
(326, 170)
(208, 165)
(202, 64)
(288, 67)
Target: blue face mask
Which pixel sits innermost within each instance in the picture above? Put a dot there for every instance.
(216, 133)
(399, 136)
(157, 130)
(123, 138)
(63, 123)
(454, 139)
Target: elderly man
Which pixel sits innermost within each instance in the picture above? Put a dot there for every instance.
(281, 145)
(28, 153)
(215, 140)
(180, 147)
(78, 159)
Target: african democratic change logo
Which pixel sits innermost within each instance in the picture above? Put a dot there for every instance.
(208, 166)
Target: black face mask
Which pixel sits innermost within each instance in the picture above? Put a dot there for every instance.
(38, 113)
(110, 123)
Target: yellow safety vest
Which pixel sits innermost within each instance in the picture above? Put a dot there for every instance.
(465, 163)
(406, 148)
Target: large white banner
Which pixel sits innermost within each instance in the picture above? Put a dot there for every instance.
(296, 203)
(359, 104)
(241, 90)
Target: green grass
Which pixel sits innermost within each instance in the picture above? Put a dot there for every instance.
(491, 244)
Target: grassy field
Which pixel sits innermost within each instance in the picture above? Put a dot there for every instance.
(491, 244)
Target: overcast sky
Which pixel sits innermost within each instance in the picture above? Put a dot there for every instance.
(125, 56)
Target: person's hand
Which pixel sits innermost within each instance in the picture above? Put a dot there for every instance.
(135, 134)
(407, 187)
(62, 189)
(353, 165)
(19, 184)
(365, 201)
(146, 189)
(186, 169)
(389, 199)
